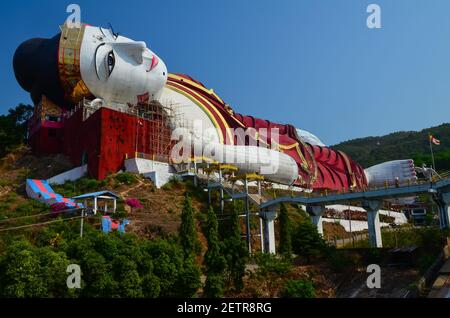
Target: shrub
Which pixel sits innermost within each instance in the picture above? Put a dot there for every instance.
(300, 288)
(4, 183)
(134, 203)
(119, 214)
(82, 185)
(271, 264)
(175, 180)
(125, 178)
(24, 208)
(424, 262)
(58, 207)
(4, 207)
(10, 197)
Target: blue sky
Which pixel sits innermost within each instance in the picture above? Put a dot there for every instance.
(311, 63)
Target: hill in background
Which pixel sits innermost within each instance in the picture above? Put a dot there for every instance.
(370, 151)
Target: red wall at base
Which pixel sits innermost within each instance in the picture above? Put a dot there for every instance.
(105, 138)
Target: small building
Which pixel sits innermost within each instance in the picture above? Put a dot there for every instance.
(104, 201)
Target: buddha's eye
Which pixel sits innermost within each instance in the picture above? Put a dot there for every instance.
(111, 61)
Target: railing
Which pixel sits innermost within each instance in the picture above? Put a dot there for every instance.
(441, 176)
(325, 193)
(346, 241)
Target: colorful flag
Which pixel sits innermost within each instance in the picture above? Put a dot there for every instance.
(434, 140)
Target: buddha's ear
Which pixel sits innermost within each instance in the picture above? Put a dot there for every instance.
(133, 49)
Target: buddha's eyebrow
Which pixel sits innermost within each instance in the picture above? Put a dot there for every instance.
(101, 30)
(95, 59)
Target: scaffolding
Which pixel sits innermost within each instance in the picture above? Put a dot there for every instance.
(162, 120)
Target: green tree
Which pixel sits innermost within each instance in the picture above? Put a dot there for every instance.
(126, 274)
(20, 272)
(300, 288)
(188, 231)
(112, 265)
(97, 278)
(215, 262)
(13, 127)
(285, 248)
(307, 241)
(188, 281)
(178, 276)
(53, 266)
(235, 252)
(151, 286)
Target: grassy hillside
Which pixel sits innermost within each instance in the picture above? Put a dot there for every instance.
(401, 145)
(146, 262)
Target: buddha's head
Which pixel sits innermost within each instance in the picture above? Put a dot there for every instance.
(118, 69)
(89, 62)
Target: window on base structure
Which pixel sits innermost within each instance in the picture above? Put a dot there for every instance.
(52, 133)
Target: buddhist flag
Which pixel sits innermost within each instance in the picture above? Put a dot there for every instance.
(434, 140)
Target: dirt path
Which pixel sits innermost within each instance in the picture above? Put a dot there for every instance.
(124, 193)
(4, 191)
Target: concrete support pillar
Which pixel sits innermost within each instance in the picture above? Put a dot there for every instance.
(95, 205)
(82, 223)
(373, 219)
(222, 206)
(441, 214)
(261, 234)
(247, 216)
(114, 205)
(316, 212)
(268, 218)
(443, 202)
(195, 173)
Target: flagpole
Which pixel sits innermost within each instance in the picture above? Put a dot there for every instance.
(432, 155)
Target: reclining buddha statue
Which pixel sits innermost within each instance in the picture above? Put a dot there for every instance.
(116, 72)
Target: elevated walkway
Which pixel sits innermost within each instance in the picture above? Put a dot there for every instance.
(435, 187)
(371, 200)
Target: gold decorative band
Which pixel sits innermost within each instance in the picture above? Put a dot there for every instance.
(69, 63)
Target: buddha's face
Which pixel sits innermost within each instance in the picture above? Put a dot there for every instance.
(120, 70)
